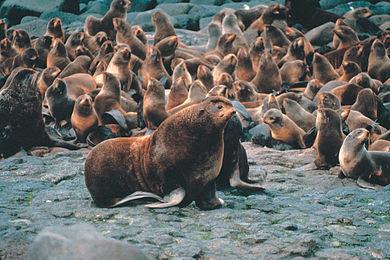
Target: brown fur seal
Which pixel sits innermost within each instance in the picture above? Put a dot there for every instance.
(347, 93)
(327, 100)
(154, 104)
(275, 36)
(267, 78)
(323, 70)
(196, 94)
(379, 62)
(348, 70)
(176, 172)
(139, 33)
(181, 71)
(312, 88)
(83, 118)
(329, 138)
(380, 145)
(295, 51)
(227, 64)
(346, 35)
(246, 91)
(365, 81)
(367, 103)
(46, 79)
(106, 49)
(79, 65)
(224, 46)
(74, 40)
(118, 9)
(205, 75)
(54, 29)
(298, 114)
(108, 102)
(163, 27)
(21, 124)
(28, 59)
(355, 120)
(283, 128)
(94, 43)
(244, 70)
(125, 35)
(58, 56)
(358, 163)
(153, 68)
(6, 50)
(21, 40)
(294, 71)
(178, 93)
(43, 47)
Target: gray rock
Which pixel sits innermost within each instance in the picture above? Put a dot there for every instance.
(34, 28)
(28, 19)
(204, 22)
(70, 6)
(144, 19)
(207, 2)
(181, 21)
(97, 7)
(328, 4)
(341, 9)
(14, 10)
(381, 8)
(201, 11)
(66, 18)
(80, 241)
(385, 26)
(380, 19)
(139, 6)
(321, 35)
(176, 9)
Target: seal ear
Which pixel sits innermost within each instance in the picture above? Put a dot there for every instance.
(201, 111)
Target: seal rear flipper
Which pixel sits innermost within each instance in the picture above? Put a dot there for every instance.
(172, 199)
(208, 198)
(64, 144)
(236, 182)
(366, 185)
(114, 116)
(136, 196)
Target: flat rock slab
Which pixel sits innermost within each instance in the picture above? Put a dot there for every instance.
(302, 213)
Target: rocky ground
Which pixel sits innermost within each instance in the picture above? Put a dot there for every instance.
(302, 213)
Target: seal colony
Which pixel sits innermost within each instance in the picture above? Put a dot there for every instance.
(262, 72)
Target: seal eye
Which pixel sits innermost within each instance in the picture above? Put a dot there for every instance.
(220, 106)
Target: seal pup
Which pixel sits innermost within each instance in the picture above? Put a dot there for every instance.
(125, 35)
(21, 40)
(284, 129)
(58, 56)
(379, 62)
(267, 78)
(154, 104)
(163, 27)
(358, 163)
(294, 71)
(83, 118)
(298, 114)
(54, 29)
(118, 9)
(348, 70)
(346, 36)
(176, 172)
(329, 138)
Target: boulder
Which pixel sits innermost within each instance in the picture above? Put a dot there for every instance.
(80, 241)
(139, 6)
(341, 9)
(34, 28)
(380, 19)
(176, 9)
(66, 18)
(15, 10)
(381, 8)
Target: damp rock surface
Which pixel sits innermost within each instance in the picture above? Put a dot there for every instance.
(302, 213)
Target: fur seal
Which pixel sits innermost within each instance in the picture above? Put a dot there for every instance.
(348, 70)
(6, 50)
(72, 42)
(312, 88)
(118, 9)
(275, 36)
(244, 69)
(58, 56)
(181, 71)
(153, 68)
(196, 94)
(267, 78)
(154, 104)
(214, 33)
(46, 79)
(22, 125)
(283, 128)
(227, 64)
(323, 70)
(163, 27)
(125, 35)
(327, 100)
(178, 93)
(176, 172)
(106, 50)
(43, 47)
(94, 43)
(365, 81)
(329, 138)
(358, 163)
(21, 40)
(83, 118)
(380, 145)
(54, 29)
(367, 103)
(294, 71)
(205, 75)
(346, 35)
(79, 65)
(379, 62)
(347, 93)
(139, 33)
(298, 114)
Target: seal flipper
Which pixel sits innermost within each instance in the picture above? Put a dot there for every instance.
(208, 199)
(116, 116)
(236, 182)
(172, 199)
(136, 196)
(366, 185)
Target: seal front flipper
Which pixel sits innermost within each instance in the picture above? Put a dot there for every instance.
(172, 199)
(136, 196)
(208, 198)
(366, 185)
